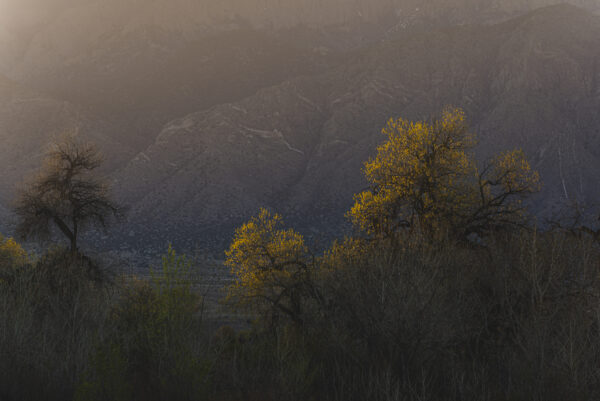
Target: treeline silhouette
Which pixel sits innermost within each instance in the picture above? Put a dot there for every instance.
(445, 291)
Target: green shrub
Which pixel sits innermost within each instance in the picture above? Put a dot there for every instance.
(155, 350)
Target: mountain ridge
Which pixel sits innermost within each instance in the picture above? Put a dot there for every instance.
(202, 133)
(478, 68)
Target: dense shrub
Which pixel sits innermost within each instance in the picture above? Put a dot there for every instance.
(515, 320)
(50, 314)
(69, 331)
(444, 293)
(264, 365)
(155, 349)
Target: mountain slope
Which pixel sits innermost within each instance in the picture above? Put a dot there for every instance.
(532, 82)
(141, 83)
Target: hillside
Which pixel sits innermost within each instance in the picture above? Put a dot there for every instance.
(528, 83)
(204, 122)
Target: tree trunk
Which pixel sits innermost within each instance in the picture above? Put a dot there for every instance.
(71, 235)
(74, 245)
(74, 250)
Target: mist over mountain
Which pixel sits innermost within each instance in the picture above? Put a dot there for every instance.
(38, 35)
(208, 110)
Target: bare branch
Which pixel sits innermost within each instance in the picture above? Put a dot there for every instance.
(65, 195)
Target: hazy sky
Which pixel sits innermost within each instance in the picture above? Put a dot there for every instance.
(19, 13)
(26, 12)
(24, 17)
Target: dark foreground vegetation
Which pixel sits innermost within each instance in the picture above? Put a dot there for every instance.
(446, 292)
(516, 320)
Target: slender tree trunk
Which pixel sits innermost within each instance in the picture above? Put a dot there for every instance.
(74, 250)
(74, 245)
(71, 235)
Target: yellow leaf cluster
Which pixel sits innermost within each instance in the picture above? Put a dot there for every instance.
(514, 172)
(264, 258)
(425, 176)
(343, 253)
(11, 253)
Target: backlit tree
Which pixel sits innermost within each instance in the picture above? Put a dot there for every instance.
(65, 195)
(271, 266)
(425, 177)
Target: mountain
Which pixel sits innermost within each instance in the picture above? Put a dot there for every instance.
(532, 82)
(138, 64)
(207, 114)
(141, 84)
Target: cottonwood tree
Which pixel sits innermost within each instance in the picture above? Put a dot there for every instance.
(271, 265)
(425, 178)
(65, 195)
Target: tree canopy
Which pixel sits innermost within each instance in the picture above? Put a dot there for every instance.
(65, 195)
(270, 265)
(425, 177)
(11, 254)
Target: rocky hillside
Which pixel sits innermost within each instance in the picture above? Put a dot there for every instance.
(531, 83)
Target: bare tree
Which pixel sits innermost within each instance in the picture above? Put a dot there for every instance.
(65, 195)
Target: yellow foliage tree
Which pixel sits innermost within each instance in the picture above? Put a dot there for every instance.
(11, 253)
(425, 177)
(271, 266)
(12, 256)
(342, 253)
